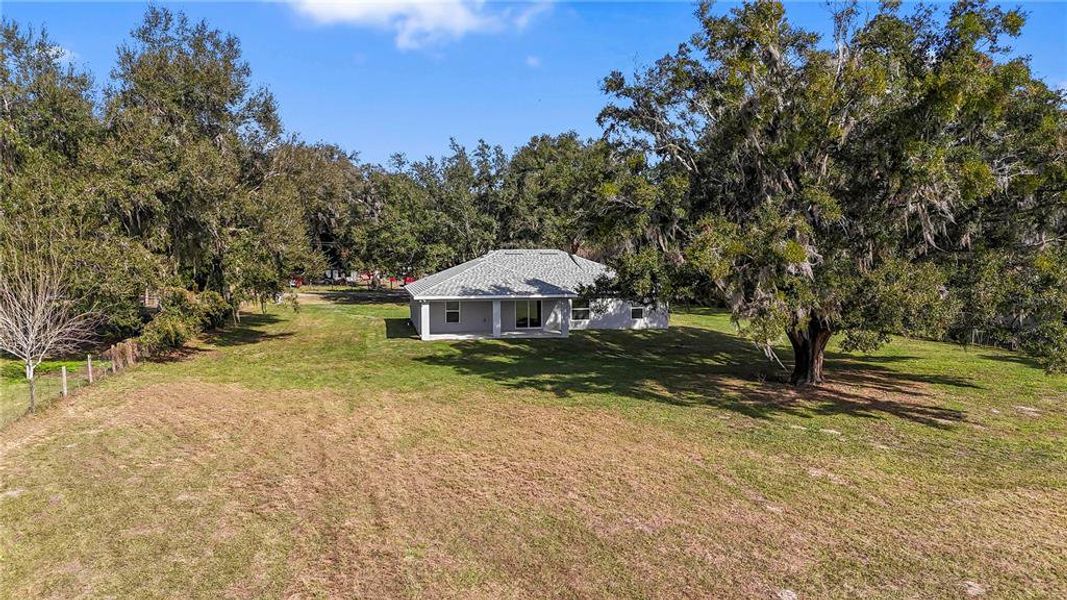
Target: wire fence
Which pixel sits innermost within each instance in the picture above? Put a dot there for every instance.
(57, 379)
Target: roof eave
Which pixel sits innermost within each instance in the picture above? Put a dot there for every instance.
(498, 297)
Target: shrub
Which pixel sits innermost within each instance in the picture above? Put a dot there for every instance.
(168, 331)
(177, 300)
(213, 311)
(182, 315)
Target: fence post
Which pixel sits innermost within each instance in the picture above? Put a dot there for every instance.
(114, 363)
(89, 359)
(63, 369)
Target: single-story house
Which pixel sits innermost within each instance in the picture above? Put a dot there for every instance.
(521, 293)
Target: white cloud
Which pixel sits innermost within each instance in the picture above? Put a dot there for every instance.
(420, 23)
(64, 56)
(523, 18)
(533, 62)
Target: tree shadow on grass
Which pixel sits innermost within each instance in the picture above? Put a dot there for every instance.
(1018, 359)
(689, 366)
(400, 329)
(178, 355)
(250, 331)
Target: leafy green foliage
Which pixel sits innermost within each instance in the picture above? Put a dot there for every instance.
(554, 186)
(1016, 300)
(167, 332)
(213, 310)
(858, 187)
(183, 314)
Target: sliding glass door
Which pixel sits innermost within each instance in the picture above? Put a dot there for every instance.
(527, 314)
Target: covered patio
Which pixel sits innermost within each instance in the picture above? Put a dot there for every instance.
(513, 317)
(503, 335)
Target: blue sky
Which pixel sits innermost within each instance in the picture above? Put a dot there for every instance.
(405, 76)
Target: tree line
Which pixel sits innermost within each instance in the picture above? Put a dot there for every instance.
(905, 176)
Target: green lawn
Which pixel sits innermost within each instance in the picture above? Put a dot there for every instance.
(14, 392)
(328, 453)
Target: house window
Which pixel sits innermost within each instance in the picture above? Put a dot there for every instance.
(637, 312)
(527, 314)
(580, 310)
(451, 312)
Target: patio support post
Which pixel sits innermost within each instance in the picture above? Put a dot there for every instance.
(565, 324)
(496, 318)
(424, 320)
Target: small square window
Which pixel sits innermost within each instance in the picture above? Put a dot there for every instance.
(637, 313)
(580, 310)
(451, 312)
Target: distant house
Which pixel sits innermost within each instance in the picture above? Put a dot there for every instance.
(520, 293)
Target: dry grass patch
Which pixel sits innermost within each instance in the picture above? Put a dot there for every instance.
(394, 495)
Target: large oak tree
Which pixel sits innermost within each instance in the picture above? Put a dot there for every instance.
(838, 186)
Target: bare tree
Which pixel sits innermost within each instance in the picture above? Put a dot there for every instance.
(38, 318)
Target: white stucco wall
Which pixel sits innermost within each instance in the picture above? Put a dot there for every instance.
(613, 313)
(416, 315)
(552, 315)
(507, 315)
(474, 317)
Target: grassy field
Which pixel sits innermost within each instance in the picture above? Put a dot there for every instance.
(326, 453)
(14, 392)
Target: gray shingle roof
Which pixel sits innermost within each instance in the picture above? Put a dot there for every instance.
(511, 273)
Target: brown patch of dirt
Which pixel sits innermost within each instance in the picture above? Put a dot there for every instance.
(311, 298)
(817, 473)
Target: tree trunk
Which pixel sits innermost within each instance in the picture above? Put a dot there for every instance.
(809, 350)
(33, 387)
